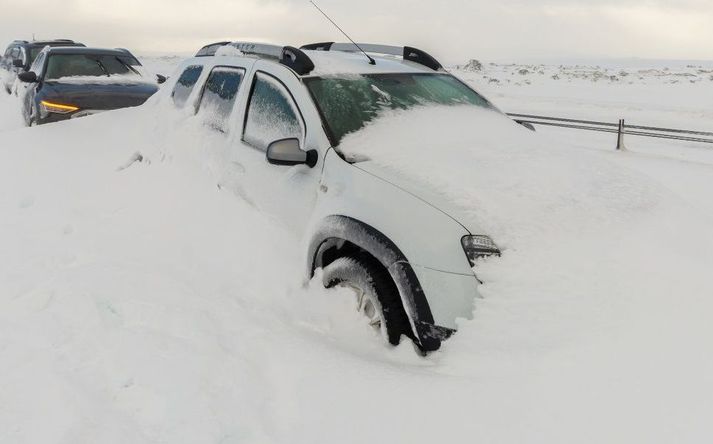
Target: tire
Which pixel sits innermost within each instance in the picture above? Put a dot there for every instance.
(377, 296)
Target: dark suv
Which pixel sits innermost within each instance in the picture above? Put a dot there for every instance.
(20, 55)
(63, 83)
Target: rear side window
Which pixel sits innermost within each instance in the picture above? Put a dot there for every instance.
(185, 84)
(219, 95)
(272, 114)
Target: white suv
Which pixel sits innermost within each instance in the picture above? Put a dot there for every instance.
(402, 248)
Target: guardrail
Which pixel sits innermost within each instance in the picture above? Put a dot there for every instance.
(621, 128)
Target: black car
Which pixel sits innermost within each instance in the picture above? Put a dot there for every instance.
(64, 83)
(20, 55)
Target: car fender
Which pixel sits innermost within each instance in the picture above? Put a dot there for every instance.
(402, 231)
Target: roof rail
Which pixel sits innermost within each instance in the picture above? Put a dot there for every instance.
(289, 56)
(408, 53)
(210, 49)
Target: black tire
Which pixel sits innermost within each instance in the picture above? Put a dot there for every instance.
(377, 286)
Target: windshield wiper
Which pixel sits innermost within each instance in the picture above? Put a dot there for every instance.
(131, 68)
(102, 67)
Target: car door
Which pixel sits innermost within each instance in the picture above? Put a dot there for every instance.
(277, 106)
(28, 91)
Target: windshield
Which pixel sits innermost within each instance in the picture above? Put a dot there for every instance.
(349, 103)
(89, 65)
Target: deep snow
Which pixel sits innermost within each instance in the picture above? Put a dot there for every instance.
(144, 304)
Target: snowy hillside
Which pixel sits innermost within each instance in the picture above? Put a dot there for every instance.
(143, 303)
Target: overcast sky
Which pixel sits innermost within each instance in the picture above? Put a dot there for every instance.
(452, 30)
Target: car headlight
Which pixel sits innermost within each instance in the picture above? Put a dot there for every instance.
(479, 246)
(59, 108)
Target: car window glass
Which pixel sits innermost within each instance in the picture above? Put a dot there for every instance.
(185, 84)
(37, 64)
(89, 65)
(272, 114)
(219, 95)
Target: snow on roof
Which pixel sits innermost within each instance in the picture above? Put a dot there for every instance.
(339, 62)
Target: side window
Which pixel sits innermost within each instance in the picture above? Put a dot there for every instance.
(271, 115)
(219, 95)
(15, 52)
(37, 64)
(185, 84)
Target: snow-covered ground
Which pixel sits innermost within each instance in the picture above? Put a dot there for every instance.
(142, 303)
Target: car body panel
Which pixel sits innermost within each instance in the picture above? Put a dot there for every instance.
(89, 94)
(429, 239)
(417, 219)
(8, 72)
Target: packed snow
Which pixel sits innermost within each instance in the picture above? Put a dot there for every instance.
(145, 303)
(98, 80)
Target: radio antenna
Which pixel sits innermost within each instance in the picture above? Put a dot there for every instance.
(371, 60)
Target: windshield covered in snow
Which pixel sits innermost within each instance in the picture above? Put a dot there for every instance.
(349, 103)
(60, 66)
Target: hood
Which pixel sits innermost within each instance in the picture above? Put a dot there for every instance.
(100, 94)
(424, 191)
(494, 176)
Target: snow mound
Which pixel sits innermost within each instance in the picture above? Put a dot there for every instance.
(144, 302)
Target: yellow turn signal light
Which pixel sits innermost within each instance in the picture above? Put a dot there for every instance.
(59, 108)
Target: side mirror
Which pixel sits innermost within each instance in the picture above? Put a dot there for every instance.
(18, 63)
(27, 77)
(288, 152)
(160, 79)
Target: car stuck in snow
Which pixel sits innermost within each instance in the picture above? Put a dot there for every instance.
(403, 249)
(69, 82)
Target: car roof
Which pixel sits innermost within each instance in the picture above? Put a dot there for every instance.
(84, 50)
(320, 59)
(337, 62)
(55, 43)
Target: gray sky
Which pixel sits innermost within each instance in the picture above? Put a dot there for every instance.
(453, 30)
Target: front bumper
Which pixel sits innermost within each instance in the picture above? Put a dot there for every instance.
(450, 296)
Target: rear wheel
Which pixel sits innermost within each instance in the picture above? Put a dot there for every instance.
(376, 295)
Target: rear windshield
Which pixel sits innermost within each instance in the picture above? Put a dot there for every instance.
(90, 65)
(349, 103)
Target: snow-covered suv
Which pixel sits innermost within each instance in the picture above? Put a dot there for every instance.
(284, 111)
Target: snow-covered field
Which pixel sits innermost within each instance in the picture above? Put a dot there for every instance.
(143, 303)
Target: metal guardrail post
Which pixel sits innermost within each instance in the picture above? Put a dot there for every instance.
(620, 136)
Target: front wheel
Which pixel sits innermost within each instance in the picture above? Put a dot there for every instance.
(376, 295)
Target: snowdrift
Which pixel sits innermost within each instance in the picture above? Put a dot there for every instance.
(142, 302)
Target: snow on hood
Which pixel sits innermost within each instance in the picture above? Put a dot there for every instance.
(577, 227)
(506, 179)
(99, 80)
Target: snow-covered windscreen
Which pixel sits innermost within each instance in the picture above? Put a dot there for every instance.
(349, 103)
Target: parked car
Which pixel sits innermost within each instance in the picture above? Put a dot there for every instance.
(406, 252)
(72, 82)
(20, 55)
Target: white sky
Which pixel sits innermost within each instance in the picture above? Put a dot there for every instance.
(452, 30)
